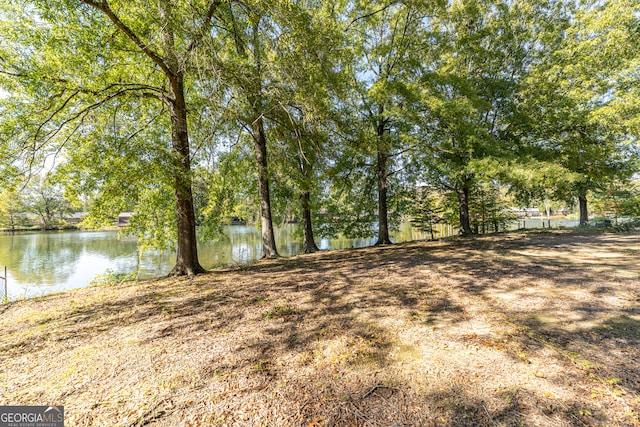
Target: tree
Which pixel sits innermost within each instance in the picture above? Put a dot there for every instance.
(386, 40)
(578, 90)
(533, 181)
(277, 73)
(45, 199)
(471, 80)
(427, 210)
(620, 198)
(231, 190)
(135, 53)
(300, 156)
(239, 55)
(312, 80)
(489, 209)
(11, 209)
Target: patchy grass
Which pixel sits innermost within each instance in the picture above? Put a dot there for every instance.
(519, 329)
(279, 312)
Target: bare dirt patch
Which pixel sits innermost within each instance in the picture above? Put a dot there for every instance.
(520, 329)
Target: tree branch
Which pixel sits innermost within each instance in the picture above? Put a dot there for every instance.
(81, 114)
(104, 7)
(401, 152)
(70, 85)
(203, 28)
(52, 115)
(367, 15)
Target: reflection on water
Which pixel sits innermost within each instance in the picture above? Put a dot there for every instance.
(42, 263)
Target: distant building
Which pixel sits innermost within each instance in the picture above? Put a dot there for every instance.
(525, 212)
(76, 218)
(124, 218)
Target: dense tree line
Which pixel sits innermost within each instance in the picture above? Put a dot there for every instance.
(343, 114)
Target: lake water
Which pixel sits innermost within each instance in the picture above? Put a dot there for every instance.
(47, 262)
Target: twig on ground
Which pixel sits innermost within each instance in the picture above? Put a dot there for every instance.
(373, 389)
(357, 412)
(376, 387)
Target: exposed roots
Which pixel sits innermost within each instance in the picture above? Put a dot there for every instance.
(384, 242)
(186, 270)
(309, 249)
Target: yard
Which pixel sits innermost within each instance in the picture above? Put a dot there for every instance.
(524, 328)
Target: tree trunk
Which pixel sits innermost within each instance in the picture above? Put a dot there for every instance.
(383, 214)
(173, 69)
(269, 249)
(431, 224)
(309, 243)
(187, 257)
(254, 96)
(383, 179)
(306, 168)
(584, 213)
(463, 205)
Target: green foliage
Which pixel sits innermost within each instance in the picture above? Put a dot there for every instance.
(154, 220)
(355, 102)
(574, 95)
(620, 199)
(12, 210)
(123, 164)
(427, 210)
(81, 69)
(230, 191)
(468, 111)
(490, 208)
(533, 182)
(45, 199)
(110, 277)
(279, 311)
(350, 208)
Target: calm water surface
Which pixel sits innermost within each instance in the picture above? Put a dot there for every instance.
(43, 263)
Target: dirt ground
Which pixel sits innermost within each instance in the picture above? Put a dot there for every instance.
(534, 329)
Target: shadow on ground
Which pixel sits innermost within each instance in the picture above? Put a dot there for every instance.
(376, 336)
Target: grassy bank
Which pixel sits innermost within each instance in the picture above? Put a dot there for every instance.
(518, 329)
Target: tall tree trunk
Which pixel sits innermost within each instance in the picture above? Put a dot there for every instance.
(584, 213)
(187, 257)
(484, 217)
(463, 205)
(269, 249)
(383, 213)
(173, 69)
(431, 224)
(383, 178)
(309, 243)
(306, 167)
